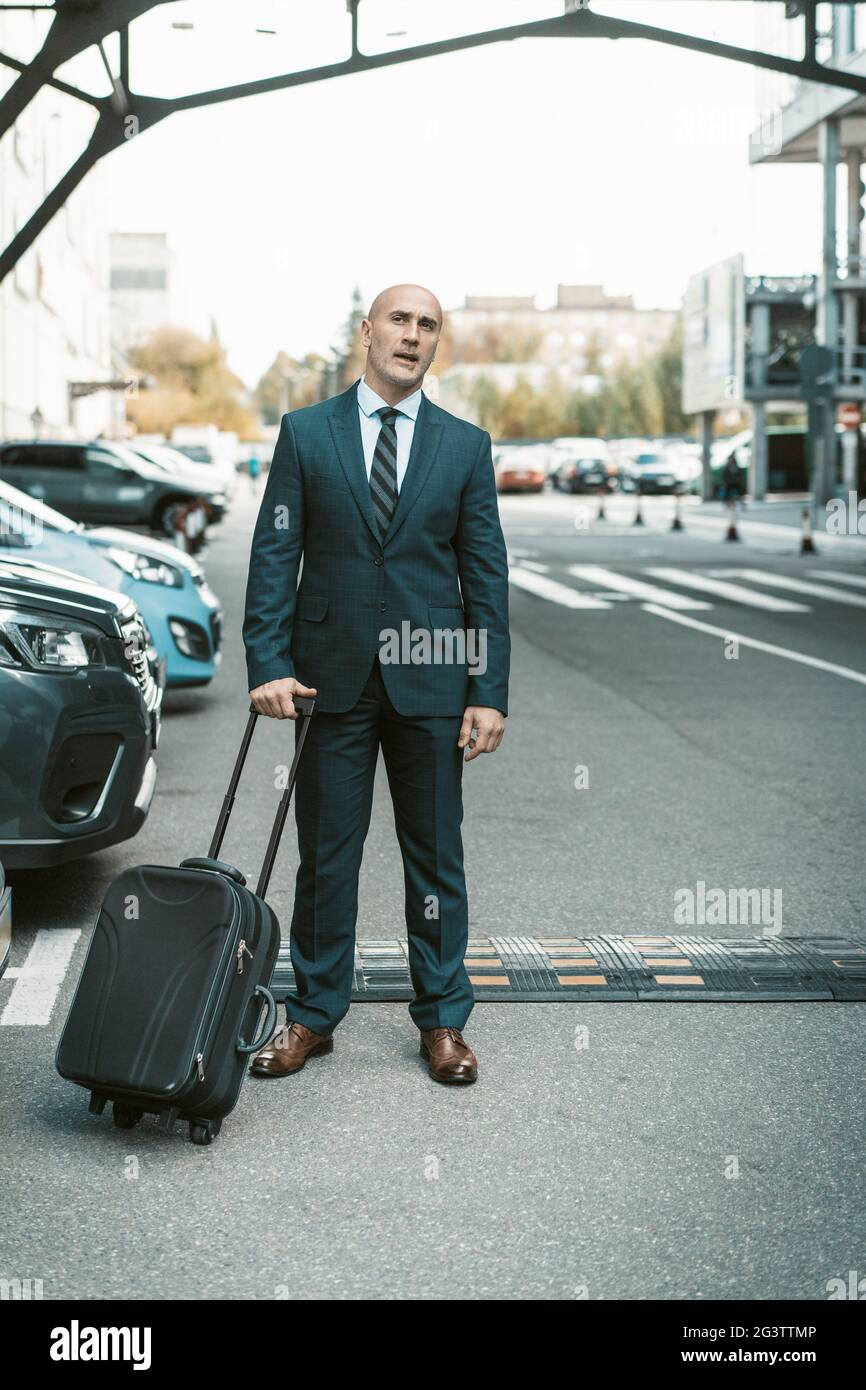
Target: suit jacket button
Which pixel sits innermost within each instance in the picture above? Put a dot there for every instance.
(378, 560)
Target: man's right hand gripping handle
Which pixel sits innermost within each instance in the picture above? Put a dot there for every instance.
(274, 698)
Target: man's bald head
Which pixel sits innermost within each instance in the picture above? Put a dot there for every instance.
(401, 334)
(404, 294)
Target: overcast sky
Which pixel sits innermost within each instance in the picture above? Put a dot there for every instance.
(503, 170)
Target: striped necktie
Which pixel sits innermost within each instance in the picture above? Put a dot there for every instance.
(383, 471)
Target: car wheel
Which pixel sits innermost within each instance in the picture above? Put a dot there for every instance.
(166, 515)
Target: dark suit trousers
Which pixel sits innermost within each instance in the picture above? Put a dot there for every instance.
(333, 799)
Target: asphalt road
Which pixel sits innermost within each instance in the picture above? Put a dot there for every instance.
(609, 1151)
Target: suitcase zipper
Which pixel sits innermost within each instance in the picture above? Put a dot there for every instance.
(242, 947)
(239, 953)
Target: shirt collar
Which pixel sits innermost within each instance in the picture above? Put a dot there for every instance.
(370, 401)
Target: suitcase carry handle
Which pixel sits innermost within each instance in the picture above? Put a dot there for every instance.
(270, 1020)
(215, 866)
(306, 705)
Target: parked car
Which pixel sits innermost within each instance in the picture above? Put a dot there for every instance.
(79, 716)
(656, 472)
(581, 465)
(517, 471)
(212, 448)
(102, 482)
(182, 613)
(648, 468)
(175, 463)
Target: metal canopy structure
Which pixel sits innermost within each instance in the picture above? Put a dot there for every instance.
(124, 114)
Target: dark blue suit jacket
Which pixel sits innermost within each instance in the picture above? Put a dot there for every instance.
(441, 567)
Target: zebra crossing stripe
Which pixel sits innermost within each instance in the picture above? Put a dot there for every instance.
(723, 589)
(549, 588)
(802, 586)
(603, 578)
(728, 636)
(38, 980)
(857, 581)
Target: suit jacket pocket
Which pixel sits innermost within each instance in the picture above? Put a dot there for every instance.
(446, 615)
(311, 607)
(331, 479)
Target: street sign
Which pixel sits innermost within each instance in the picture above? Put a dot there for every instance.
(713, 338)
(849, 415)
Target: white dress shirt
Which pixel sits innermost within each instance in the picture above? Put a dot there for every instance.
(369, 401)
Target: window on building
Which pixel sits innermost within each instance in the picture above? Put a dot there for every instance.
(138, 277)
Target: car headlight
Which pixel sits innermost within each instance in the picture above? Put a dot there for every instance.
(31, 640)
(146, 567)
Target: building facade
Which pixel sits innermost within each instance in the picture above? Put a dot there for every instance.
(585, 332)
(54, 311)
(140, 286)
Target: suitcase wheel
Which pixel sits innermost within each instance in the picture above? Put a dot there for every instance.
(125, 1116)
(204, 1131)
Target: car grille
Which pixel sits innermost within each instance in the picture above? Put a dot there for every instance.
(136, 645)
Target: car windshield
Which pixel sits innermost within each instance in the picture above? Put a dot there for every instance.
(124, 455)
(22, 513)
(197, 452)
(169, 460)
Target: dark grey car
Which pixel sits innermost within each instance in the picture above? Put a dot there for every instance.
(79, 716)
(104, 483)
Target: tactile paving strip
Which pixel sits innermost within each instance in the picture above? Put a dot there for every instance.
(556, 969)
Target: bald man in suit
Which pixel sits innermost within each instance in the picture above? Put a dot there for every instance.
(392, 503)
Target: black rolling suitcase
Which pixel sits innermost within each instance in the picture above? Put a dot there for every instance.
(175, 980)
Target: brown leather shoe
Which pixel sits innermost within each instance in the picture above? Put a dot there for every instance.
(448, 1057)
(289, 1049)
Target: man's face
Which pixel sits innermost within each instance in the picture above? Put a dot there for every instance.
(401, 336)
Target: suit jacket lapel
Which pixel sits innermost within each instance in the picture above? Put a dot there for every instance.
(346, 430)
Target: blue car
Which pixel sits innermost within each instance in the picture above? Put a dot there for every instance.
(183, 614)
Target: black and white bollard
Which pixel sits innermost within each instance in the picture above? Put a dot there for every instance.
(807, 545)
(732, 533)
(677, 523)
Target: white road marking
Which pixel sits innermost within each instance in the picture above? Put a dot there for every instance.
(856, 580)
(38, 980)
(802, 586)
(729, 636)
(609, 579)
(535, 566)
(550, 589)
(770, 530)
(735, 592)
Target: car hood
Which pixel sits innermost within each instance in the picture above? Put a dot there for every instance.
(142, 545)
(48, 589)
(191, 478)
(653, 470)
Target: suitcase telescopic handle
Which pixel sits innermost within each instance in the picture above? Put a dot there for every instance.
(270, 1019)
(306, 705)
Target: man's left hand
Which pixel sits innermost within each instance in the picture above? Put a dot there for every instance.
(489, 725)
